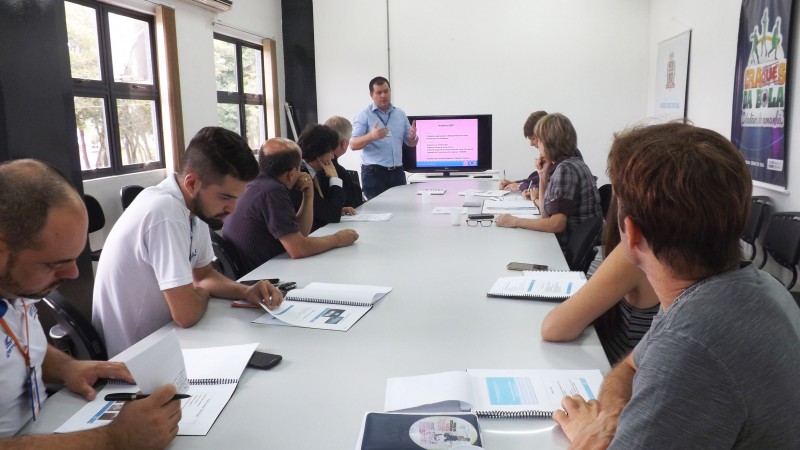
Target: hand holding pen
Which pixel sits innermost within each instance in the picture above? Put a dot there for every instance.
(148, 423)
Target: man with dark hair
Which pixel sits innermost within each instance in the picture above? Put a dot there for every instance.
(352, 188)
(156, 263)
(318, 142)
(380, 131)
(718, 368)
(43, 229)
(265, 224)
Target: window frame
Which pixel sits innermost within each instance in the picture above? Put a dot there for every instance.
(111, 91)
(241, 98)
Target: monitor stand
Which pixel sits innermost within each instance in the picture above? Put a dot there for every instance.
(447, 174)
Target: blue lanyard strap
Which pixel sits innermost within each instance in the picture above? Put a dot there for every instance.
(388, 117)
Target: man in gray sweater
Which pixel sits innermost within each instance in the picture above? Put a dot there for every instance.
(719, 366)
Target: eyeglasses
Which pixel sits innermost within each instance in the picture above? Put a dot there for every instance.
(482, 222)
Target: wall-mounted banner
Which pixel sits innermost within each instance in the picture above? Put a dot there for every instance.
(672, 76)
(760, 92)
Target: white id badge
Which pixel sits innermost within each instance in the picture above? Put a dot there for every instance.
(33, 391)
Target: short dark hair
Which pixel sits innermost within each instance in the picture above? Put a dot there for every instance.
(317, 140)
(530, 123)
(278, 162)
(29, 189)
(378, 81)
(214, 153)
(688, 190)
(556, 133)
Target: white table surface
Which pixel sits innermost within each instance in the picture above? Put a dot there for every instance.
(437, 318)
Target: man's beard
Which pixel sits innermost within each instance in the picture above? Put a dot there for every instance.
(215, 223)
(10, 285)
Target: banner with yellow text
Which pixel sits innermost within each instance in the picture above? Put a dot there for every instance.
(760, 88)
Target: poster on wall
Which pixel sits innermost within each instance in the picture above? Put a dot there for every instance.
(672, 77)
(760, 93)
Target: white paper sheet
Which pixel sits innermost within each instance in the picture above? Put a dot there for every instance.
(378, 217)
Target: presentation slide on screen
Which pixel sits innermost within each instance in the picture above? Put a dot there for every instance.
(447, 143)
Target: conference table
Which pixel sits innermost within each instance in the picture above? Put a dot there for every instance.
(436, 318)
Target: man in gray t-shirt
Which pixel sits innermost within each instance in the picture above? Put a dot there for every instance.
(718, 367)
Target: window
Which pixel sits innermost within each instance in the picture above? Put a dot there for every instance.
(240, 88)
(112, 58)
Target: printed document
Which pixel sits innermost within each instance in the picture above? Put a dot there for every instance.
(213, 374)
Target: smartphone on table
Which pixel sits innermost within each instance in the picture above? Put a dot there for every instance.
(264, 361)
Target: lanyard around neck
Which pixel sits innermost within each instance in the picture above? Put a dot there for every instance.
(388, 117)
(27, 352)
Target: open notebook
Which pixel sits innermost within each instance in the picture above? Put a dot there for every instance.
(491, 393)
(539, 285)
(211, 375)
(325, 306)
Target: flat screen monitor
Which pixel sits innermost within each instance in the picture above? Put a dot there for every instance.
(450, 144)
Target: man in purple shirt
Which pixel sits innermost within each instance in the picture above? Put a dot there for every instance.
(265, 223)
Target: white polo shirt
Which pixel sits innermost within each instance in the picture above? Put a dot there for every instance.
(15, 400)
(153, 247)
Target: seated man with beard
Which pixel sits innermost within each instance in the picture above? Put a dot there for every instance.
(156, 263)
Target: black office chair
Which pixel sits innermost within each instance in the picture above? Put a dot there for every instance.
(357, 183)
(97, 220)
(227, 262)
(605, 198)
(752, 228)
(580, 251)
(782, 242)
(75, 334)
(796, 296)
(128, 193)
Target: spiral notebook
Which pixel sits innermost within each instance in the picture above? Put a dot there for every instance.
(491, 393)
(539, 284)
(325, 306)
(213, 374)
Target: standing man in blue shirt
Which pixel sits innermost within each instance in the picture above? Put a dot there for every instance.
(380, 130)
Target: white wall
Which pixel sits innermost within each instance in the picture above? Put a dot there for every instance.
(715, 24)
(508, 58)
(249, 20)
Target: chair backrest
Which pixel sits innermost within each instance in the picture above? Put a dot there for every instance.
(782, 241)
(83, 340)
(128, 193)
(605, 198)
(357, 183)
(580, 249)
(227, 262)
(97, 220)
(752, 227)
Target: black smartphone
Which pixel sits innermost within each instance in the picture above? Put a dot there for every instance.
(480, 216)
(525, 266)
(264, 361)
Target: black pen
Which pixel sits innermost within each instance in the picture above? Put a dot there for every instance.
(129, 397)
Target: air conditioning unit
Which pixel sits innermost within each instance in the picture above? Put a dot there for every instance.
(212, 5)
